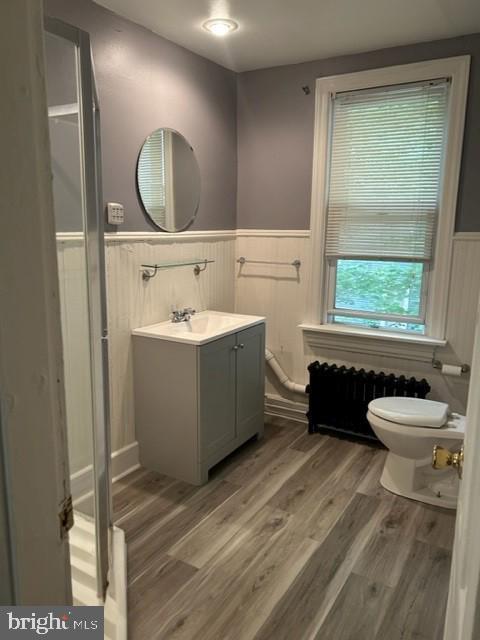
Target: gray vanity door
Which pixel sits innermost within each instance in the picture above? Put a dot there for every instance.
(250, 380)
(216, 395)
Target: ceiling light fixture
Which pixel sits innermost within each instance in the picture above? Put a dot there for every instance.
(220, 26)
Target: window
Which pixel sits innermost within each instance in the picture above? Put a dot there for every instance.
(154, 177)
(380, 294)
(151, 175)
(386, 164)
(386, 158)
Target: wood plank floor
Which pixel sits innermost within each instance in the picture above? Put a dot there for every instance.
(292, 538)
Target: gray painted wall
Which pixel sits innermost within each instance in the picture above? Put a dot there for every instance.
(146, 82)
(275, 134)
(64, 134)
(66, 171)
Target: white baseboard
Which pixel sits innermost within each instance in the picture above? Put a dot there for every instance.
(278, 406)
(81, 483)
(124, 461)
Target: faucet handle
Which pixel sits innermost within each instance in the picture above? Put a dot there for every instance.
(183, 315)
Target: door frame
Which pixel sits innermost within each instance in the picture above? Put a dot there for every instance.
(89, 111)
(32, 402)
(463, 607)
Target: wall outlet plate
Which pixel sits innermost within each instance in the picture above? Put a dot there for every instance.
(115, 213)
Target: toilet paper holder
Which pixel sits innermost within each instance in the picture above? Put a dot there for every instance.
(438, 364)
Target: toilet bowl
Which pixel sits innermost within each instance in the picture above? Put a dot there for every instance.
(410, 428)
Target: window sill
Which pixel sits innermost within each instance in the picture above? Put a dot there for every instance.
(371, 342)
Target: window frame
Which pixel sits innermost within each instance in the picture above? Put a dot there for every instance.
(320, 288)
(330, 293)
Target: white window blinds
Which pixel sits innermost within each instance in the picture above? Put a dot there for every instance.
(385, 171)
(151, 176)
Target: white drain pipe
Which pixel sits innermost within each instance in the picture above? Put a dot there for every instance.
(281, 375)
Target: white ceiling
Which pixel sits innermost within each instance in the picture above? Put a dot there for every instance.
(275, 32)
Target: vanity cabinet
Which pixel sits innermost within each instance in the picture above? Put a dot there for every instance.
(195, 404)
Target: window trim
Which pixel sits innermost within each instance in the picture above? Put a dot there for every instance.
(455, 68)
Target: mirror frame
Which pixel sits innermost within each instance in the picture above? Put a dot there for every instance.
(137, 186)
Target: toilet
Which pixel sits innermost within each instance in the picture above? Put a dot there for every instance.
(410, 428)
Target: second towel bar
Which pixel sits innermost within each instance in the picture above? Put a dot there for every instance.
(296, 263)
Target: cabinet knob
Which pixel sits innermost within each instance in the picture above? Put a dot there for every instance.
(241, 346)
(235, 348)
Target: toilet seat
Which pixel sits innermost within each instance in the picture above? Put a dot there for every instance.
(411, 412)
(452, 429)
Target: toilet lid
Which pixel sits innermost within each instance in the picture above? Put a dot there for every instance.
(414, 412)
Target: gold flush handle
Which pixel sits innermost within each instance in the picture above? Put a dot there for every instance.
(443, 458)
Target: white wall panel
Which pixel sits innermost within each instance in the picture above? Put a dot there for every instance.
(133, 302)
(75, 337)
(278, 294)
(464, 291)
(276, 291)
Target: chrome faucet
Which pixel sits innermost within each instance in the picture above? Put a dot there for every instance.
(183, 315)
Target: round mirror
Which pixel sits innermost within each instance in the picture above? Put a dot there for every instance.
(168, 180)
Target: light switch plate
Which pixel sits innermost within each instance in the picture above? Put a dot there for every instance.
(115, 213)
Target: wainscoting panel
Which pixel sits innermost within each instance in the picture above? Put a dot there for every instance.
(133, 302)
(73, 307)
(275, 291)
(464, 292)
(280, 293)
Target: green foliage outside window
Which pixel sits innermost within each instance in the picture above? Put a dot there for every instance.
(379, 286)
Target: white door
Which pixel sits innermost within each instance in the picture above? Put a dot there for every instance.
(33, 459)
(463, 608)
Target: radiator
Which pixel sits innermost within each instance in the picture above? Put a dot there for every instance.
(339, 397)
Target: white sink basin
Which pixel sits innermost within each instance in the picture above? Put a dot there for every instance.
(203, 327)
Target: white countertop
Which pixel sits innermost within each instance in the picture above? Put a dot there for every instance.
(202, 328)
